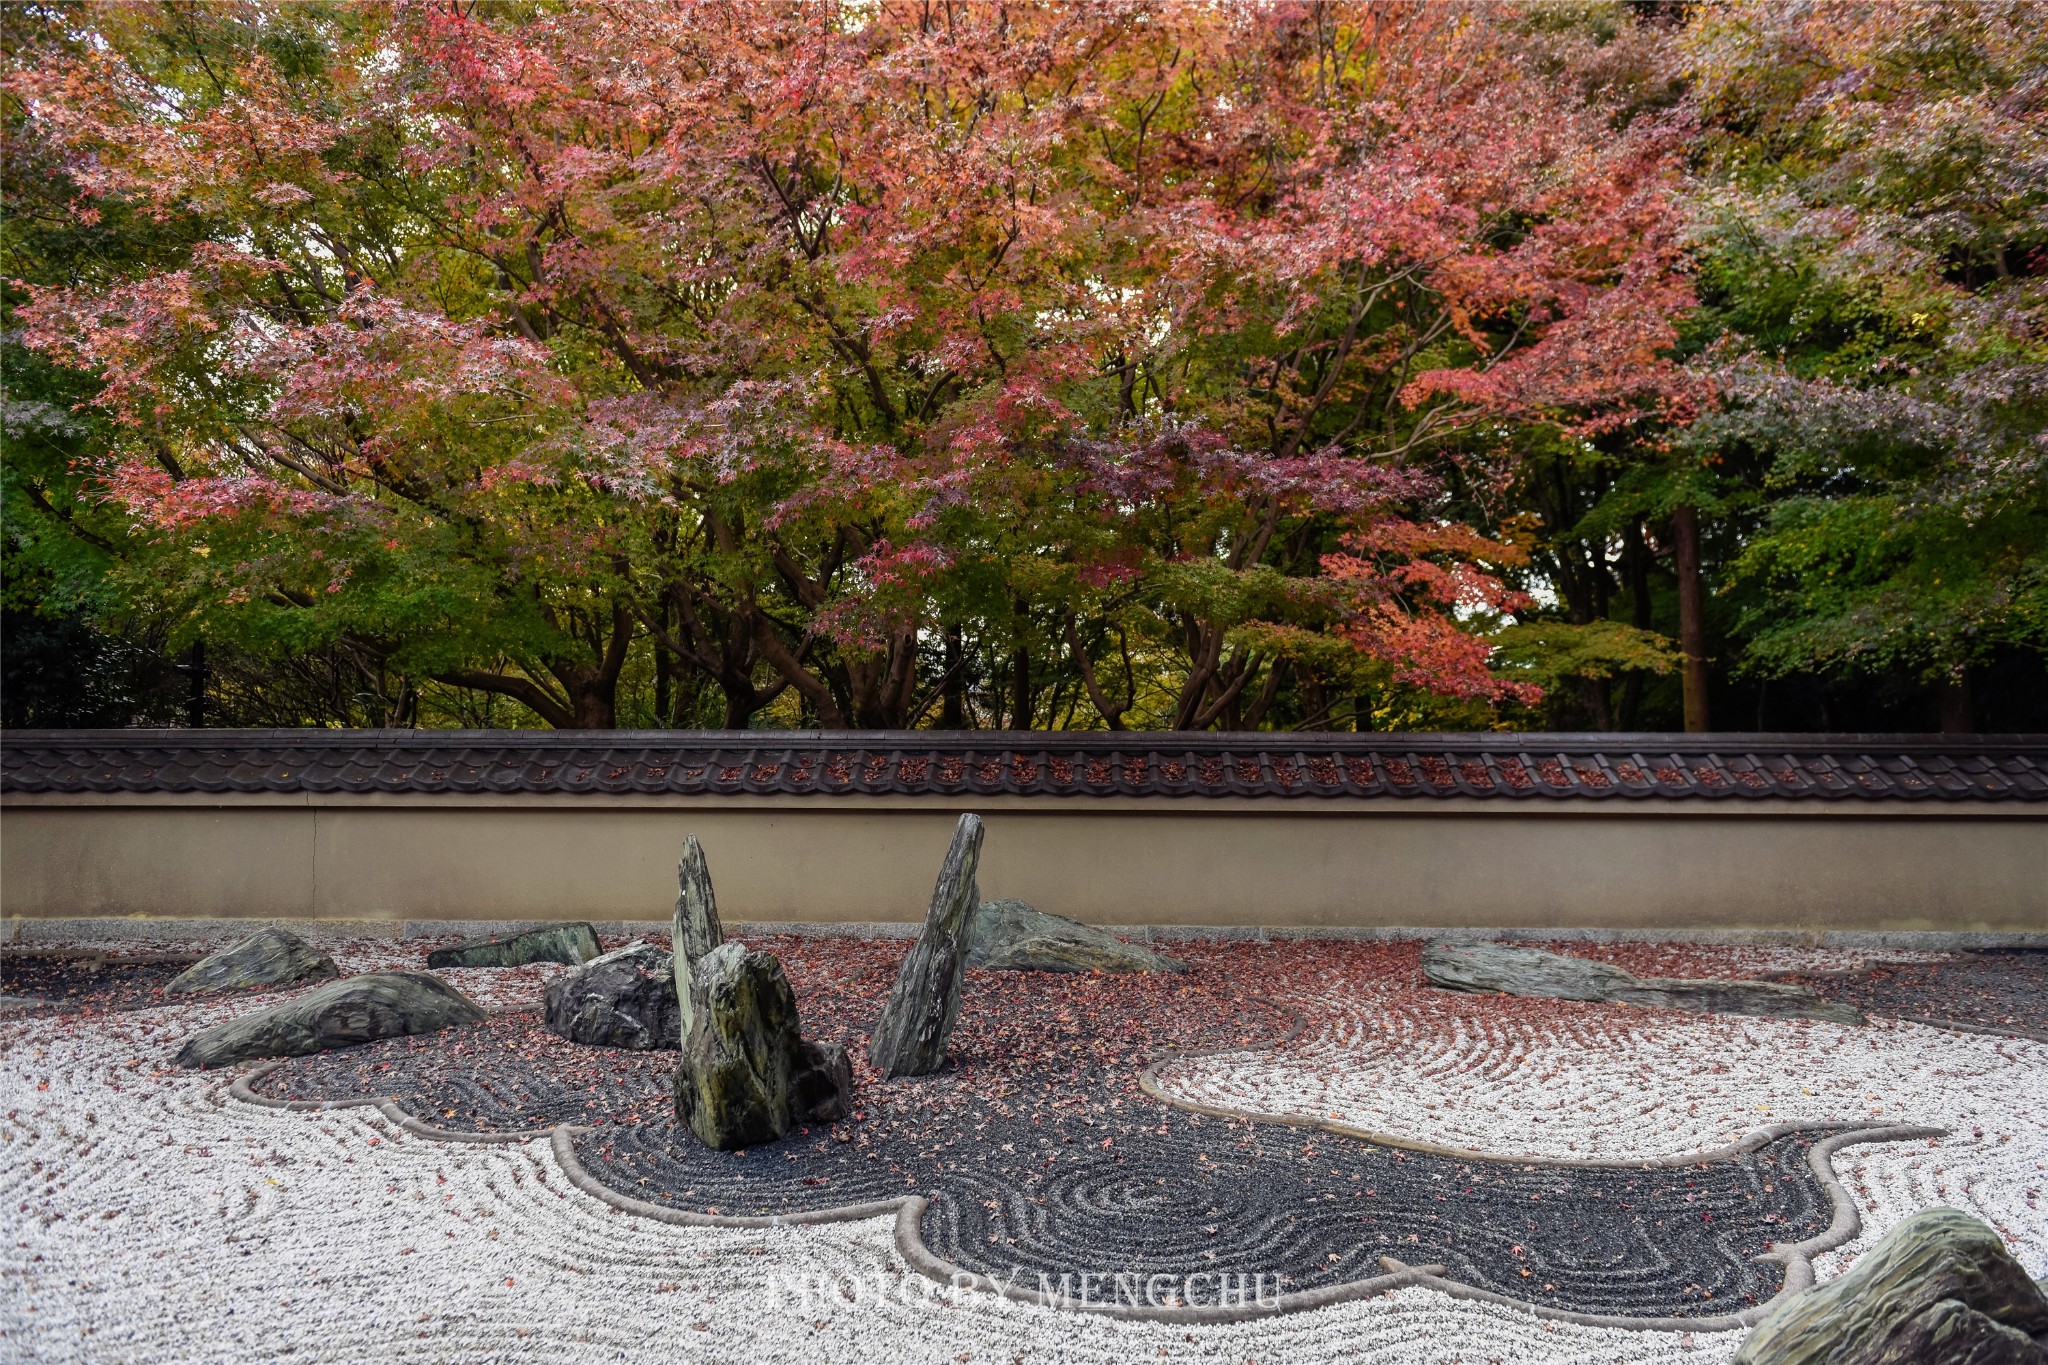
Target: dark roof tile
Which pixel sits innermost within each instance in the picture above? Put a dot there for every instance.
(968, 764)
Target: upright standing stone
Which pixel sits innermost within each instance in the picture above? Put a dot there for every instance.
(911, 1035)
(696, 930)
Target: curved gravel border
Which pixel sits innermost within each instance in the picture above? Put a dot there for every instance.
(909, 1213)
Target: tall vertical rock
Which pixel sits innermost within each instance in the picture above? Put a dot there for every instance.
(910, 1037)
(696, 928)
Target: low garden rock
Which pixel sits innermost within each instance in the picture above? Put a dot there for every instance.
(911, 1034)
(695, 929)
(1528, 971)
(1938, 1289)
(574, 944)
(268, 957)
(358, 1009)
(746, 1076)
(823, 1092)
(626, 998)
(1015, 936)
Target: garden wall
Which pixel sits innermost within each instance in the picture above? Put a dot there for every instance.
(1333, 832)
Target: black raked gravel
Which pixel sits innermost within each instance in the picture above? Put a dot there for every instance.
(1041, 1156)
(2003, 990)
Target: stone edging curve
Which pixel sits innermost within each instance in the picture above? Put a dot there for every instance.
(909, 1211)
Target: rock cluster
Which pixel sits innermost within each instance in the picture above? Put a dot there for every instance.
(625, 998)
(268, 957)
(1526, 971)
(1938, 1289)
(360, 1009)
(911, 1034)
(1012, 935)
(747, 1076)
(574, 944)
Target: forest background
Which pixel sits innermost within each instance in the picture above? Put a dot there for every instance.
(1128, 364)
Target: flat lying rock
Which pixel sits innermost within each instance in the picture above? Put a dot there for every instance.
(916, 1023)
(626, 999)
(1527, 971)
(1939, 1289)
(268, 957)
(746, 1076)
(358, 1009)
(1015, 936)
(574, 944)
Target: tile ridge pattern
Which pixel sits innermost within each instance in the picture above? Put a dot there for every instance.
(961, 764)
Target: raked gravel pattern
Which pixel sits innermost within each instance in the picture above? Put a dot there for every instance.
(152, 1217)
(1563, 1080)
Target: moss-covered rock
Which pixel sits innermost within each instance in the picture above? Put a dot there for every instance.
(746, 1076)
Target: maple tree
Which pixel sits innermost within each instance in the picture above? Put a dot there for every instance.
(1877, 229)
(1127, 364)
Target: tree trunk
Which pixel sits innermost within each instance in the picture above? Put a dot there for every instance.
(1020, 690)
(953, 709)
(1635, 561)
(1957, 716)
(1692, 628)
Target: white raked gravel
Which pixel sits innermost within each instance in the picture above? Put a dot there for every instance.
(1572, 1081)
(151, 1217)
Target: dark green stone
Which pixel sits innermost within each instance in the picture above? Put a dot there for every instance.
(1938, 1289)
(359, 1009)
(268, 957)
(1527, 971)
(911, 1034)
(1015, 936)
(574, 944)
(746, 1076)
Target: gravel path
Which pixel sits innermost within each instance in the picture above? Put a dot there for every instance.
(152, 1217)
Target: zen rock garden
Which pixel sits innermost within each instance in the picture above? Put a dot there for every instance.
(746, 1075)
(1554, 1139)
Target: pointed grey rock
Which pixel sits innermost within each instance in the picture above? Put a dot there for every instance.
(1015, 936)
(574, 944)
(624, 999)
(1528, 971)
(1939, 1287)
(268, 957)
(911, 1035)
(359, 1009)
(695, 930)
(746, 1076)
